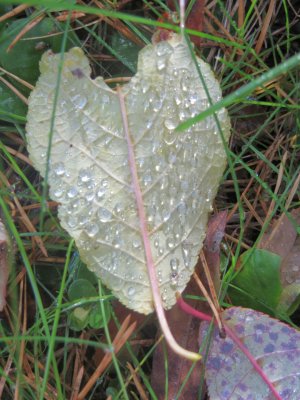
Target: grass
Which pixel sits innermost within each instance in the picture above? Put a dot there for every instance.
(254, 50)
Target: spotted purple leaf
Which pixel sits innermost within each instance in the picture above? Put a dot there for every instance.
(275, 347)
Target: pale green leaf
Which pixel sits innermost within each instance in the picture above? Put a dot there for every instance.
(89, 171)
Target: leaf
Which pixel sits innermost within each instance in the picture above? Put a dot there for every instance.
(283, 240)
(135, 194)
(90, 313)
(257, 284)
(96, 319)
(126, 51)
(29, 49)
(78, 318)
(10, 103)
(81, 288)
(274, 345)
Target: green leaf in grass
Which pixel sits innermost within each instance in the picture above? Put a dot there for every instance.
(257, 285)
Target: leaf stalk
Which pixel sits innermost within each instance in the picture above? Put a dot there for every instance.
(145, 236)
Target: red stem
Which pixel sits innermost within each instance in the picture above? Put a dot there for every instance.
(145, 236)
(200, 315)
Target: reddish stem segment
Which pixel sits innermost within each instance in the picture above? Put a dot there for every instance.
(144, 232)
(197, 314)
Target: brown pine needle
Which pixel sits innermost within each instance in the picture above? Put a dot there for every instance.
(76, 384)
(209, 281)
(18, 154)
(122, 336)
(214, 309)
(26, 29)
(265, 27)
(241, 13)
(25, 219)
(137, 382)
(25, 83)
(278, 184)
(64, 15)
(13, 89)
(14, 12)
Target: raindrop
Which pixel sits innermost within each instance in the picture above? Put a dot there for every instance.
(72, 221)
(131, 291)
(174, 280)
(166, 215)
(72, 192)
(169, 137)
(118, 208)
(136, 243)
(147, 179)
(90, 196)
(183, 115)
(145, 85)
(75, 204)
(104, 183)
(172, 158)
(193, 98)
(156, 104)
(148, 123)
(92, 230)
(100, 194)
(185, 83)
(186, 254)
(58, 192)
(83, 220)
(117, 241)
(170, 124)
(79, 101)
(85, 175)
(174, 263)
(170, 243)
(159, 276)
(104, 214)
(59, 169)
(161, 64)
(177, 100)
(163, 49)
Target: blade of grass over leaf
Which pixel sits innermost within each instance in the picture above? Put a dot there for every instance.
(244, 91)
(52, 119)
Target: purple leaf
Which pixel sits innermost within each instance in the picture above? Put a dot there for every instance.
(274, 346)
